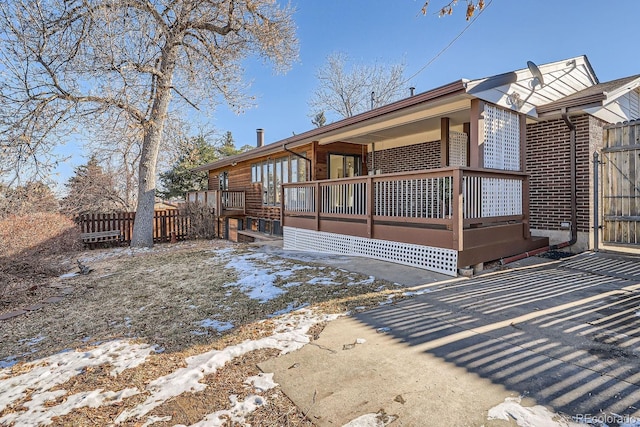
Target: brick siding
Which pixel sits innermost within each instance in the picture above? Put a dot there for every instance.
(548, 163)
(425, 155)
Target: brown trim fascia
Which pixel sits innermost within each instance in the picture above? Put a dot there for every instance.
(571, 104)
(453, 88)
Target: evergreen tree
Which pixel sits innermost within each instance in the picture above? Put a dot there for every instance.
(92, 190)
(179, 180)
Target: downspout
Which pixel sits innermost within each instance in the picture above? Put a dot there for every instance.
(574, 208)
(284, 146)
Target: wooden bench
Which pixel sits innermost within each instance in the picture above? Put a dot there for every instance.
(101, 236)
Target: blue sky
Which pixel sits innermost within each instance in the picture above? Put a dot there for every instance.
(503, 38)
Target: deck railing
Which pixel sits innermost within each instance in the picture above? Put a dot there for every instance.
(448, 199)
(222, 202)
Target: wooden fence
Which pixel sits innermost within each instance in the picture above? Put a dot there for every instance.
(621, 184)
(165, 224)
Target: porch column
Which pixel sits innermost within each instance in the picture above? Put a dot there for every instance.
(314, 160)
(476, 136)
(466, 128)
(444, 142)
(457, 226)
(523, 142)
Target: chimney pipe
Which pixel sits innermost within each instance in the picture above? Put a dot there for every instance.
(412, 90)
(260, 137)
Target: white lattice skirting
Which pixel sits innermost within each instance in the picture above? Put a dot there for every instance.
(440, 260)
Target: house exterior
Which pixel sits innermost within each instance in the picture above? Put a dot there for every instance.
(466, 173)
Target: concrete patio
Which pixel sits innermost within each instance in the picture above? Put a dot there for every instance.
(563, 334)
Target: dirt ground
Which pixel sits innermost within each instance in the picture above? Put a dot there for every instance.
(183, 299)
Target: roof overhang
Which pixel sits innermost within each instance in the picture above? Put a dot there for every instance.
(612, 102)
(518, 90)
(377, 120)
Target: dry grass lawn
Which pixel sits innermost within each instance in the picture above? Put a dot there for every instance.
(184, 299)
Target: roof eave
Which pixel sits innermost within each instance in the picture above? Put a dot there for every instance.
(307, 137)
(554, 108)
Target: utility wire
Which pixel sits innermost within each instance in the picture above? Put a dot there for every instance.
(450, 43)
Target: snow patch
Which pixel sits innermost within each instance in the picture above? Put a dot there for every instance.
(216, 324)
(292, 306)
(32, 341)
(290, 334)
(236, 415)
(68, 275)
(372, 420)
(261, 382)
(528, 416)
(256, 282)
(322, 281)
(414, 293)
(39, 413)
(57, 369)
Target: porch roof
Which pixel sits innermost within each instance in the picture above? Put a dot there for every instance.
(519, 91)
(600, 100)
(396, 109)
(419, 115)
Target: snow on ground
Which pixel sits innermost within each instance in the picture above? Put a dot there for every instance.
(290, 334)
(371, 420)
(256, 276)
(528, 416)
(52, 371)
(255, 281)
(236, 414)
(216, 324)
(38, 378)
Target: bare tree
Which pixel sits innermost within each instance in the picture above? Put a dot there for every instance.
(319, 119)
(69, 61)
(447, 9)
(345, 91)
(32, 197)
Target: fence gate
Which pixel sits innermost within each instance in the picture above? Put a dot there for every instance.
(621, 184)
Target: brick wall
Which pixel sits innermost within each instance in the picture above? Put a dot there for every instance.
(548, 163)
(425, 155)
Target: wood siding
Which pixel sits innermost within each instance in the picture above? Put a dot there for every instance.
(240, 179)
(322, 157)
(240, 174)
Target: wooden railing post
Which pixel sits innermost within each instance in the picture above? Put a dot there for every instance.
(370, 205)
(282, 205)
(457, 226)
(317, 205)
(526, 231)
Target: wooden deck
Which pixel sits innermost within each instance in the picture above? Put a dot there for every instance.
(482, 214)
(223, 203)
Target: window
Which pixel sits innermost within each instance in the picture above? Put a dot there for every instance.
(223, 181)
(256, 173)
(273, 173)
(278, 179)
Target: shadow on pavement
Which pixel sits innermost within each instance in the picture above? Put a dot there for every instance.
(566, 334)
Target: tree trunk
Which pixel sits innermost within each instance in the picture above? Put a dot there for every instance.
(143, 224)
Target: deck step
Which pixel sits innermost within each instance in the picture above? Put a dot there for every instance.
(252, 236)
